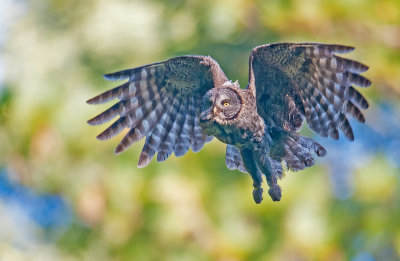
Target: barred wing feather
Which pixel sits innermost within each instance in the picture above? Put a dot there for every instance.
(308, 80)
(161, 102)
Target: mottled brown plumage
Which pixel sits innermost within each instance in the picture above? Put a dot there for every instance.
(185, 101)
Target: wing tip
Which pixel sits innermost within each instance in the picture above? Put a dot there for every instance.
(117, 76)
(109, 77)
(344, 48)
(92, 122)
(231, 167)
(102, 98)
(364, 68)
(365, 105)
(93, 100)
(181, 151)
(337, 48)
(144, 160)
(321, 151)
(119, 149)
(368, 82)
(103, 136)
(349, 135)
(197, 146)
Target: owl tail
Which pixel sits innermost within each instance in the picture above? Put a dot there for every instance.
(299, 152)
(294, 150)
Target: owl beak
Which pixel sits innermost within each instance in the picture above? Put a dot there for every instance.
(215, 109)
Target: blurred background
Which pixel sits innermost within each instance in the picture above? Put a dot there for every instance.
(65, 196)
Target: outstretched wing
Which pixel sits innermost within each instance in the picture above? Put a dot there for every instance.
(293, 81)
(161, 102)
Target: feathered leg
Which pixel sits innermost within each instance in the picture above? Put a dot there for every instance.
(251, 166)
(264, 164)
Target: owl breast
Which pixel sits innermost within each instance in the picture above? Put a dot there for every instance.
(242, 132)
(223, 133)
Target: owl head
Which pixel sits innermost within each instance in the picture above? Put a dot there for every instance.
(221, 105)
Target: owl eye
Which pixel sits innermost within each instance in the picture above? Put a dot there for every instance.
(225, 103)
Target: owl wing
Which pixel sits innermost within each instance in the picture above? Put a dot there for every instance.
(161, 102)
(296, 81)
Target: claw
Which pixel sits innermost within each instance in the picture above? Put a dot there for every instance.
(258, 195)
(275, 193)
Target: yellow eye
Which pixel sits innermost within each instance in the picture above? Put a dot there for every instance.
(226, 103)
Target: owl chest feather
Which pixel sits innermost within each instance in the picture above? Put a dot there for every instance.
(245, 132)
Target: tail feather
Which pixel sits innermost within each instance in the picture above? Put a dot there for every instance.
(299, 152)
(294, 150)
(233, 159)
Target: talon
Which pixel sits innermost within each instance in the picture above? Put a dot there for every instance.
(258, 195)
(275, 193)
(309, 162)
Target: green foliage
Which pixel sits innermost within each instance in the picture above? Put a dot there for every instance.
(189, 208)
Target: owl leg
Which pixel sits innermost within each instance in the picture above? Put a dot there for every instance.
(264, 164)
(251, 166)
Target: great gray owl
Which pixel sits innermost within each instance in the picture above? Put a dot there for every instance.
(185, 101)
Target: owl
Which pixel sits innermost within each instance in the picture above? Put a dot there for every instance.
(186, 101)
